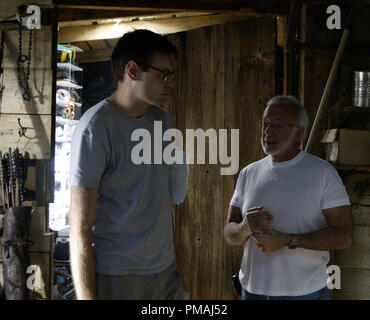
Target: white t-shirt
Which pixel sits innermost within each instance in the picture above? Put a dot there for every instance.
(295, 192)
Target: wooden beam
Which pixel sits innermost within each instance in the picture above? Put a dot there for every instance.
(163, 26)
(230, 6)
(68, 14)
(131, 18)
(94, 55)
(289, 85)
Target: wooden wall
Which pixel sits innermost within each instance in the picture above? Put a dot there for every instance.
(227, 74)
(37, 115)
(315, 64)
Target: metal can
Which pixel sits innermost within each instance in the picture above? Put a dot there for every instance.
(361, 89)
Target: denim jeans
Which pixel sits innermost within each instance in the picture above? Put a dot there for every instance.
(322, 294)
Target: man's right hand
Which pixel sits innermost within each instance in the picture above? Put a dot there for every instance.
(239, 228)
(256, 220)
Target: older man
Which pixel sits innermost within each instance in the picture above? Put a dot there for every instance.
(288, 210)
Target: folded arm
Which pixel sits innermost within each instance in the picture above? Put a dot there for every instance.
(336, 236)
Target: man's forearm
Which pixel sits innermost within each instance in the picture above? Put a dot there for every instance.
(325, 239)
(83, 268)
(234, 235)
(82, 216)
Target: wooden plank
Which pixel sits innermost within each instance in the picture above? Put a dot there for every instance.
(69, 14)
(354, 285)
(257, 6)
(41, 50)
(40, 82)
(38, 141)
(358, 255)
(95, 55)
(137, 17)
(282, 25)
(41, 242)
(42, 276)
(360, 215)
(359, 199)
(358, 183)
(249, 83)
(165, 26)
(199, 219)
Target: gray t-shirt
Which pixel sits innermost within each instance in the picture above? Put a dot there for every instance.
(132, 233)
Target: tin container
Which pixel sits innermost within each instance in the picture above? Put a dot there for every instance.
(361, 89)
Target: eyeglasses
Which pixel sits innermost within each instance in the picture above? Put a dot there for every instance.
(166, 74)
(277, 125)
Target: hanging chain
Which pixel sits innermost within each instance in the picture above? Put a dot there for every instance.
(24, 83)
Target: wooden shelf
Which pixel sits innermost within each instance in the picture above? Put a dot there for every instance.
(68, 84)
(356, 109)
(355, 168)
(61, 264)
(68, 66)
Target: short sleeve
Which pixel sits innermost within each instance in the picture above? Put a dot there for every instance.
(334, 192)
(237, 196)
(87, 160)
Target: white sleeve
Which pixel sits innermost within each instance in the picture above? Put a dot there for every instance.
(334, 192)
(238, 192)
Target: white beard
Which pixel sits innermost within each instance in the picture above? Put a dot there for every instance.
(282, 148)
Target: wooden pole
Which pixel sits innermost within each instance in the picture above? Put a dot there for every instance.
(331, 78)
(328, 86)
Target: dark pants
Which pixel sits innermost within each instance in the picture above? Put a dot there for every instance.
(322, 294)
(165, 285)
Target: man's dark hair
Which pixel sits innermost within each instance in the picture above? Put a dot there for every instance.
(139, 46)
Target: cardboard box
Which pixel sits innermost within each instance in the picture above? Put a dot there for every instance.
(347, 147)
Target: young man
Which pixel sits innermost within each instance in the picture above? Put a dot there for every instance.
(121, 239)
(288, 210)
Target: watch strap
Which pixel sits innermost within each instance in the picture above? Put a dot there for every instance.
(293, 242)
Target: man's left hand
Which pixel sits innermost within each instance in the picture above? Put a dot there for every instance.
(270, 240)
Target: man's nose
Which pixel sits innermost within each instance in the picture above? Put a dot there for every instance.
(170, 83)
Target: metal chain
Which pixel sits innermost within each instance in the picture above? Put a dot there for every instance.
(17, 242)
(26, 92)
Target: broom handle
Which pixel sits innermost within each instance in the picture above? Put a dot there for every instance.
(329, 84)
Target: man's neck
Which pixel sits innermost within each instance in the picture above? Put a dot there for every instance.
(286, 156)
(125, 102)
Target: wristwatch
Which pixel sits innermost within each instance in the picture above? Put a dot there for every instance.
(294, 242)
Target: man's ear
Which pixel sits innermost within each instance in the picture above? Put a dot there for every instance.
(132, 70)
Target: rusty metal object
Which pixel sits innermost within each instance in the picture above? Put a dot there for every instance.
(15, 252)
